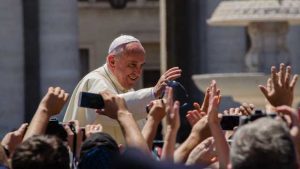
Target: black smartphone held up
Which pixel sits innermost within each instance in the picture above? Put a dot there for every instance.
(91, 100)
(228, 122)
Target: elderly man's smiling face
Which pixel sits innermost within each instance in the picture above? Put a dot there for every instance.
(128, 68)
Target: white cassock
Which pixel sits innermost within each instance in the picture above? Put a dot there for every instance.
(100, 80)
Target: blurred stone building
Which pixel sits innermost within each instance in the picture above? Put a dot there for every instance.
(55, 42)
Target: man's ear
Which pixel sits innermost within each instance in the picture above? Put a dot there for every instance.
(111, 61)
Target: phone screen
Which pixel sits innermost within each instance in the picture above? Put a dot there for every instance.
(91, 100)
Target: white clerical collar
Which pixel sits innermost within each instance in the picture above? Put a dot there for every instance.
(114, 80)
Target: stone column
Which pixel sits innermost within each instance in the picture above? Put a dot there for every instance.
(226, 46)
(268, 46)
(11, 69)
(59, 44)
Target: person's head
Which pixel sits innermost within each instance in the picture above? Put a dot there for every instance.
(98, 152)
(126, 57)
(264, 143)
(41, 152)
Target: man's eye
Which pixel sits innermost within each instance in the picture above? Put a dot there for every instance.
(132, 65)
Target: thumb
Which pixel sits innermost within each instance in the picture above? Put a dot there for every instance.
(264, 90)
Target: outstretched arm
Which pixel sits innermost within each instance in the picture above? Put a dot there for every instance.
(50, 105)
(116, 108)
(12, 139)
(280, 89)
(156, 114)
(215, 127)
(172, 125)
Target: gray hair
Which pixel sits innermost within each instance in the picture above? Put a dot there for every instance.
(265, 143)
(118, 51)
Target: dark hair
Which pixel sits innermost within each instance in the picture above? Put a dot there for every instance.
(265, 143)
(41, 152)
(98, 152)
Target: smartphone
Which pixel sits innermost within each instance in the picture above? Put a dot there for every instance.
(228, 122)
(91, 100)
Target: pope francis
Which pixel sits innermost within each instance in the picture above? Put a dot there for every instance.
(123, 68)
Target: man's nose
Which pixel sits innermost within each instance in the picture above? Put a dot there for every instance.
(138, 70)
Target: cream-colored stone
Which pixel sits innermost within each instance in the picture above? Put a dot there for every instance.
(243, 12)
(242, 87)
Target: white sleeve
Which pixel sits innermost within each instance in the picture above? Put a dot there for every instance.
(137, 101)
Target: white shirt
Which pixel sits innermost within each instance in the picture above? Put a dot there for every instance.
(99, 80)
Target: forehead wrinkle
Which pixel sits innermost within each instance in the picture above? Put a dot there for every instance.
(134, 48)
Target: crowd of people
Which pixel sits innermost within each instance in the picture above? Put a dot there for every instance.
(121, 135)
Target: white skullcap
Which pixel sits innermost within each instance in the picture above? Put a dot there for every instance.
(123, 39)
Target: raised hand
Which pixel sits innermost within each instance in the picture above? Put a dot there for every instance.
(214, 102)
(51, 105)
(215, 127)
(172, 125)
(199, 111)
(113, 105)
(155, 115)
(280, 89)
(172, 110)
(157, 110)
(12, 139)
(203, 154)
(91, 129)
(294, 122)
(245, 109)
(74, 132)
(54, 100)
(170, 74)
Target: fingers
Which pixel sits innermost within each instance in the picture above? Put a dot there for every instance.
(293, 82)
(70, 135)
(22, 129)
(173, 77)
(172, 73)
(61, 93)
(237, 111)
(274, 77)
(292, 114)
(206, 101)
(94, 128)
(197, 106)
(57, 90)
(193, 116)
(175, 111)
(281, 74)
(287, 77)
(213, 88)
(226, 112)
(50, 89)
(173, 69)
(169, 95)
(264, 90)
(246, 109)
(231, 111)
(269, 85)
(190, 119)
